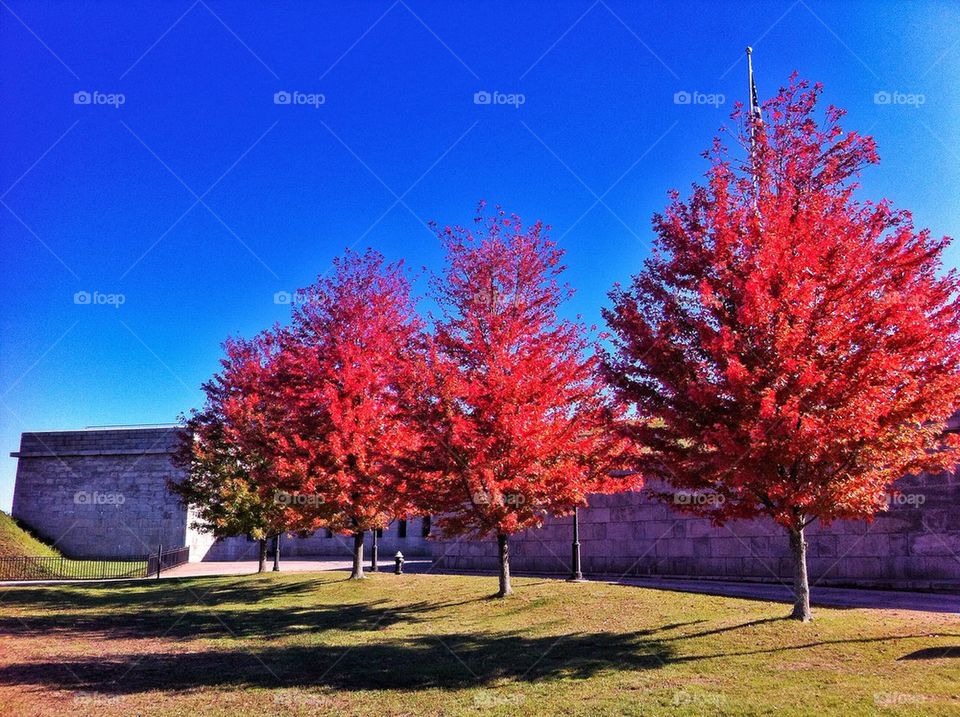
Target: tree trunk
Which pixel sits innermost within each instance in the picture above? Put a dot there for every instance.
(504, 547)
(801, 585)
(262, 567)
(357, 573)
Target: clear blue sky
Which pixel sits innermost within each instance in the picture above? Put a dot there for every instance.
(199, 198)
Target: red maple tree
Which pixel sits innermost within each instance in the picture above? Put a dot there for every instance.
(228, 452)
(793, 350)
(515, 420)
(344, 366)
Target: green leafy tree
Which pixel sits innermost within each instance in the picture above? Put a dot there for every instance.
(224, 455)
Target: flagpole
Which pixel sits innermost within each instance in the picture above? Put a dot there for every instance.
(750, 91)
(753, 117)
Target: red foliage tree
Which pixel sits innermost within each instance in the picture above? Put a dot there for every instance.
(342, 372)
(515, 425)
(794, 350)
(228, 453)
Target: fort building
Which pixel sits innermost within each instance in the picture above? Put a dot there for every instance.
(102, 492)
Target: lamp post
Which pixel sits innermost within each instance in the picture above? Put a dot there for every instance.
(373, 552)
(276, 552)
(576, 576)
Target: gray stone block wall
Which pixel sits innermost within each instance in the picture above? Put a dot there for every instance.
(414, 544)
(99, 493)
(102, 493)
(915, 544)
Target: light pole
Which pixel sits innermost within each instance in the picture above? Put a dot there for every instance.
(373, 552)
(276, 552)
(576, 576)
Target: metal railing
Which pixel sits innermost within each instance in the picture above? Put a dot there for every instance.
(60, 568)
(168, 559)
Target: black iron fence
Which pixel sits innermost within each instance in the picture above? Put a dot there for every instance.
(168, 559)
(59, 568)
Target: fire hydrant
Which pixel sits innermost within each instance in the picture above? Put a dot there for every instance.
(398, 568)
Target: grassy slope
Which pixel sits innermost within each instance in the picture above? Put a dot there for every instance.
(430, 645)
(16, 542)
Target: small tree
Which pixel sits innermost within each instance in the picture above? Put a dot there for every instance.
(228, 466)
(342, 370)
(514, 412)
(794, 350)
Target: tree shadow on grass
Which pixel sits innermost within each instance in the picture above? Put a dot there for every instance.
(159, 594)
(805, 646)
(199, 621)
(933, 653)
(445, 661)
(383, 663)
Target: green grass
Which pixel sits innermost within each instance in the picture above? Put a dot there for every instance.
(15, 542)
(45, 568)
(438, 645)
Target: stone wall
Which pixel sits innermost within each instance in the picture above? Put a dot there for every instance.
(915, 544)
(100, 493)
(413, 544)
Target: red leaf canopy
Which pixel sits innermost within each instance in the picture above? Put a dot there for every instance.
(516, 421)
(791, 349)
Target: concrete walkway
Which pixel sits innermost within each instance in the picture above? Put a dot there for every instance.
(287, 565)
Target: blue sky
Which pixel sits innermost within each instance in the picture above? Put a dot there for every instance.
(199, 198)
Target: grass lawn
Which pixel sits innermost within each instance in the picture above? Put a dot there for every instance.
(15, 542)
(44, 568)
(437, 645)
